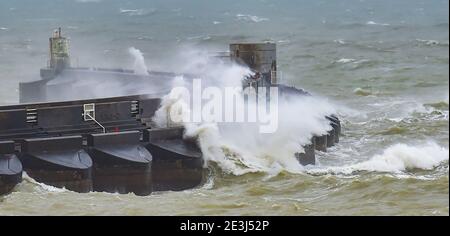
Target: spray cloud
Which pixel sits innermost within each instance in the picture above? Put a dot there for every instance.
(241, 147)
(140, 68)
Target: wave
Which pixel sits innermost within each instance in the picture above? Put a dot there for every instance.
(423, 84)
(3, 28)
(284, 42)
(397, 158)
(136, 12)
(375, 23)
(144, 38)
(200, 37)
(303, 55)
(250, 18)
(442, 25)
(239, 147)
(42, 186)
(431, 42)
(442, 105)
(352, 64)
(351, 25)
(362, 92)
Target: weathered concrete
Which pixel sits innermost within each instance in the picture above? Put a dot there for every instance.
(321, 143)
(10, 168)
(58, 161)
(177, 163)
(309, 156)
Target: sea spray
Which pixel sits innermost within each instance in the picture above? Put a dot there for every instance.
(241, 148)
(174, 106)
(139, 66)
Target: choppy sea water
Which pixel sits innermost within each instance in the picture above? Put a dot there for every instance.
(383, 64)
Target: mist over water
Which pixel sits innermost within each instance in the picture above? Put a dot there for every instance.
(382, 66)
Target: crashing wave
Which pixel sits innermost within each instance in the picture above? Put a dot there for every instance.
(239, 147)
(44, 187)
(428, 42)
(340, 41)
(397, 158)
(140, 68)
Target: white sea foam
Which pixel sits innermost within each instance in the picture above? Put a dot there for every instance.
(217, 22)
(135, 12)
(43, 186)
(402, 157)
(357, 63)
(139, 67)
(339, 41)
(202, 37)
(239, 148)
(428, 41)
(250, 18)
(3, 28)
(287, 41)
(345, 60)
(375, 23)
(397, 158)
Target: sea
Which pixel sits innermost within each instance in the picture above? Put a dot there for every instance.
(381, 65)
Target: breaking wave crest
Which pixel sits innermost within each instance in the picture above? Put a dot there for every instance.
(240, 147)
(42, 186)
